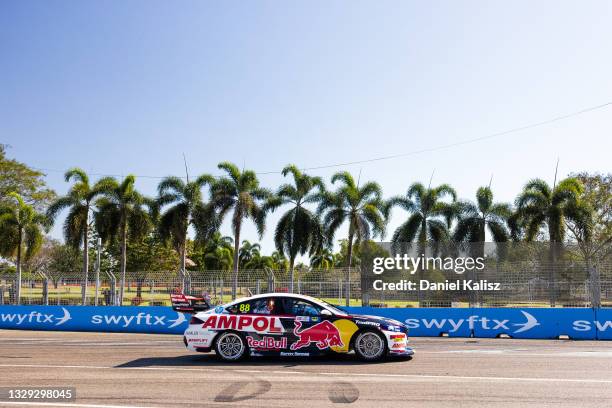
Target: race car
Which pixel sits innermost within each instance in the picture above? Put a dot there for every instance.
(285, 324)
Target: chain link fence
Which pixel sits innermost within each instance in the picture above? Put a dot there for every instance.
(519, 284)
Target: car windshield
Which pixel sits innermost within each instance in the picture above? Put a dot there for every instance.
(333, 308)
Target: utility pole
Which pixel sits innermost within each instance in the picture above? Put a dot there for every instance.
(98, 250)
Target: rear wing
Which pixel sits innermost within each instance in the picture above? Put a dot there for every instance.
(188, 304)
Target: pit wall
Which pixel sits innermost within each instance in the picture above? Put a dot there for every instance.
(527, 323)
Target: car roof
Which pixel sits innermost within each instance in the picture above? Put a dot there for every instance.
(276, 294)
(280, 294)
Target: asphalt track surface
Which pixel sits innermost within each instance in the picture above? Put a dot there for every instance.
(134, 370)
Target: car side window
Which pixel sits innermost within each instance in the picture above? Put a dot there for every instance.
(298, 307)
(265, 306)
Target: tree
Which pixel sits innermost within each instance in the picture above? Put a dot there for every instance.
(240, 193)
(280, 262)
(429, 217)
(299, 230)
(323, 259)
(122, 215)
(475, 219)
(79, 202)
(188, 209)
(591, 222)
(540, 206)
(217, 253)
(23, 180)
(248, 251)
(20, 226)
(362, 207)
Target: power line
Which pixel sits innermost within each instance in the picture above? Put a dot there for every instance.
(396, 156)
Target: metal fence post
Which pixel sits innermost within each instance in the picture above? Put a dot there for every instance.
(258, 286)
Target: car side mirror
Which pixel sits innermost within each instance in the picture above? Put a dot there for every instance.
(325, 312)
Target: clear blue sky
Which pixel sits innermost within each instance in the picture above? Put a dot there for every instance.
(121, 87)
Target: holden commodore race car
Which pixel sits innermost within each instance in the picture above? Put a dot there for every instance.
(285, 324)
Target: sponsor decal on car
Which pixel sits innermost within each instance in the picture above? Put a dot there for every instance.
(398, 338)
(197, 340)
(294, 354)
(259, 324)
(367, 323)
(323, 334)
(267, 343)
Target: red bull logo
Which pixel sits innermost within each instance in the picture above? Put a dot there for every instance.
(323, 334)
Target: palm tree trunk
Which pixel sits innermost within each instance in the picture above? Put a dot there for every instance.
(291, 273)
(348, 270)
(85, 260)
(236, 262)
(123, 260)
(18, 266)
(422, 249)
(552, 278)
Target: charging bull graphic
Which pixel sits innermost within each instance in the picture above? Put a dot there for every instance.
(324, 334)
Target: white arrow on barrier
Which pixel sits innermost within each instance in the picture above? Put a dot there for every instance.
(180, 319)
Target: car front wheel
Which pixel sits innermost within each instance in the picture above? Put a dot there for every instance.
(230, 346)
(370, 346)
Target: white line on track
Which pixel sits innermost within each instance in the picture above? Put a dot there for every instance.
(408, 377)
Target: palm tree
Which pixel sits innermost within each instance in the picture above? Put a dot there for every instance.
(540, 205)
(362, 207)
(279, 262)
(239, 192)
(79, 201)
(188, 209)
(323, 259)
(20, 225)
(475, 219)
(219, 252)
(248, 252)
(122, 214)
(430, 217)
(299, 230)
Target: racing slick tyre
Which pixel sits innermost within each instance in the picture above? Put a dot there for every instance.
(370, 346)
(231, 346)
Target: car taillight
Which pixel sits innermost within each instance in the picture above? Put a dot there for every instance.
(195, 320)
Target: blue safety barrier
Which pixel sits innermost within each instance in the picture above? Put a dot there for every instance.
(527, 323)
(132, 319)
(603, 323)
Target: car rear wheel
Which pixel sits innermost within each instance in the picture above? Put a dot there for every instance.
(230, 346)
(370, 346)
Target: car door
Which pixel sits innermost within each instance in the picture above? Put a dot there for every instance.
(259, 321)
(312, 332)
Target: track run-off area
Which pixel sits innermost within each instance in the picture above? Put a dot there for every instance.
(139, 370)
